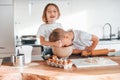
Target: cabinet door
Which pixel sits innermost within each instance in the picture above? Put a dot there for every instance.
(7, 29)
(6, 2)
(109, 46)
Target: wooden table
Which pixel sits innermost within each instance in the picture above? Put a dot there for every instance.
(39, 70)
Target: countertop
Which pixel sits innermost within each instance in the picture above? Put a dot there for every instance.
(109, 42)
(39, 70)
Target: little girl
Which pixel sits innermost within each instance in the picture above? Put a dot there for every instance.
(50, 14)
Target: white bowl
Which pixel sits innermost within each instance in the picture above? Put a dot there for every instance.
(62, 52)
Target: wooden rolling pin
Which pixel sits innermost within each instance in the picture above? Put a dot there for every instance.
(97, 52)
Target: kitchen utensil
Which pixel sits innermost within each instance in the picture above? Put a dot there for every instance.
(62, 52)
(28, 39)
(27, 51)
(116, 53)
(18, 60)
(97, 52)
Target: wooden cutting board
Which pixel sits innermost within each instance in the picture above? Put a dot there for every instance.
(93, 62)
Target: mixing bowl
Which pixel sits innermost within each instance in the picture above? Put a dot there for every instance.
(62, 52)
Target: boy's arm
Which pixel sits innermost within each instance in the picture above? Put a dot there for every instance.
(95, 40)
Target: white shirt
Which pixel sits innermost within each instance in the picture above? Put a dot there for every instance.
(81, 39)
(45, 30)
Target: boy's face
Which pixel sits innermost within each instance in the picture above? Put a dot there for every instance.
(66, 42)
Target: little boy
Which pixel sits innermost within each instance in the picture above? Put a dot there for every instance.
(82, 41)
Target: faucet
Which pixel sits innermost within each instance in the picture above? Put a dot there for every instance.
(110, 35)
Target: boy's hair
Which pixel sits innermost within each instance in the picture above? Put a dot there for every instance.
(57, 34)
(44, 16)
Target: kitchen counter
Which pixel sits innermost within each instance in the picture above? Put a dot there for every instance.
(109, 42)
(39, 70)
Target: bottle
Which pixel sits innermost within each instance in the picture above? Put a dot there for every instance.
(118, 32)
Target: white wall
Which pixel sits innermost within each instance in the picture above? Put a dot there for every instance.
(87, 15)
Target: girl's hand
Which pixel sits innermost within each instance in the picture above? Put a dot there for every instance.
(58, 43)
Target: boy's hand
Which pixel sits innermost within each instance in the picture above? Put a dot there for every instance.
(85, 53)
(89, 49)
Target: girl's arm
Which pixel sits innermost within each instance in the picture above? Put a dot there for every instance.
(77, 51)
(47, 43)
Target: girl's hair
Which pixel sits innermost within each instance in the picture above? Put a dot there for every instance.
(57, 34)
(44, 16)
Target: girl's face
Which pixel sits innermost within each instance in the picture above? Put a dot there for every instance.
(51, 13)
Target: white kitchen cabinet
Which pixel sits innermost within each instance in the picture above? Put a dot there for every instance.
(114, 44)
(7, 27)
(6, 2)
